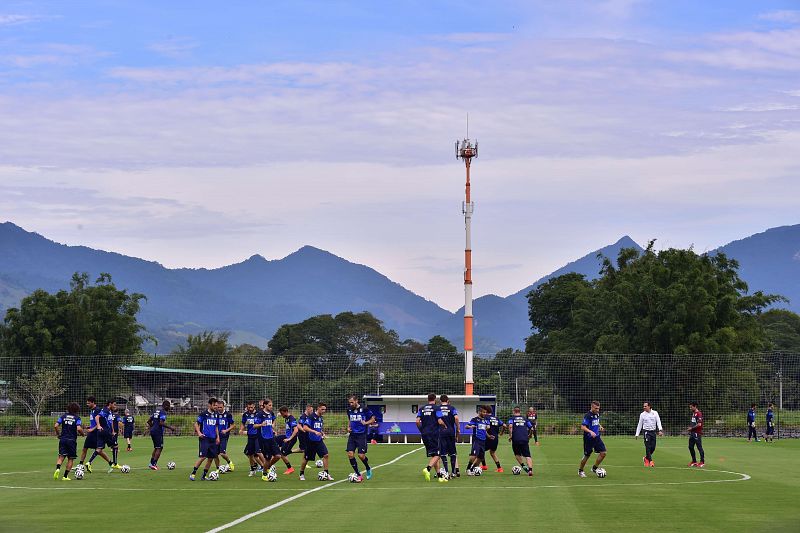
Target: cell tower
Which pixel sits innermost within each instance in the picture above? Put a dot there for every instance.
(466, 150)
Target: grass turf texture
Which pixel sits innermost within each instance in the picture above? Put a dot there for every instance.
(669, 497)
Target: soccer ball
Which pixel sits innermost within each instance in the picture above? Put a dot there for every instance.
(79, 472)
(322, 476)
(224, 469)
(516, 470)
(213, 475)
(125, 469)
(477, 471)
(319, 463)
(601, 472)
(353, 478)
(170, 465)
(272, 476)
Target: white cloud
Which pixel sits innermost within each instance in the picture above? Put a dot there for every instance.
(788, 16)
(174, 47)
(13, 20)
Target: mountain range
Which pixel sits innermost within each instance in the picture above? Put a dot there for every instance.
(255, 297)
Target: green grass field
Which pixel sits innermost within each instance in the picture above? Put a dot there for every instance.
(670, 497)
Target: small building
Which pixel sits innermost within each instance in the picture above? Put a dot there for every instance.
(397, 414)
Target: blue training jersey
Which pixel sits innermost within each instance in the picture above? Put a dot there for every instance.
(357, 418)
(156, 428)
(224, 421)
(208, 424)
(290, 422)
(302, 421)
(92, 414)
(429, 423)
(107, 419)
(127, 422)
(267, 430)
(447, 413)
(248, 421)
(69, 426)
(315, 422)
(591, 421)
(519, 427)
(480, 427)
(770, 417)
(751, 416)
(494, 425)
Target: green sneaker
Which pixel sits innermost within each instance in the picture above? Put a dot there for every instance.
(57, 474)
(427, 474)
(89, 467)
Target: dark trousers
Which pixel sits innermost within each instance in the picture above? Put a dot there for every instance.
(696, 440)
(649, 444)
(751, 433)
(535, 435)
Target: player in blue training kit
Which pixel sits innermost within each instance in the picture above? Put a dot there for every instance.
(288, 438)
(107, 433)
(480, 434)
(770, 435)
(128, 423)
(591, 427)
(496, 427)
(520, 429)
(156, 424)
(751, 424)
(266, 440)
(226, 425)
(70, 425)
(449, 432)
(250, 425)
(207, 431)
(90, 442)
(302, 434)
(359, 420)
(315, 427)
(428, 425)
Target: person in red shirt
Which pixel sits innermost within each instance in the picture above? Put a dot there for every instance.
(696, 436)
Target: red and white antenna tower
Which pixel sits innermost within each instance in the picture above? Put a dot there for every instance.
(466, 150)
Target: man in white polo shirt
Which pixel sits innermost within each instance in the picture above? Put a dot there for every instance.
(650, 422)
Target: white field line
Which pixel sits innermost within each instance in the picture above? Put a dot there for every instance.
(298, 496)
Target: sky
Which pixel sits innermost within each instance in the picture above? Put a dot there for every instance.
(198, 133)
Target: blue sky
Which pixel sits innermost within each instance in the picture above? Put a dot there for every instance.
(197, 133)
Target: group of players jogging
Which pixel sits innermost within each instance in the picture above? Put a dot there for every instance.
(438, 423)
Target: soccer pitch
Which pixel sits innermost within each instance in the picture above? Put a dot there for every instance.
(744, 487)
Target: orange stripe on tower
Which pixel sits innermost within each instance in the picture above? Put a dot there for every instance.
(467, 333)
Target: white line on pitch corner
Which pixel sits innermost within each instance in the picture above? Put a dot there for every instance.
(298, 496)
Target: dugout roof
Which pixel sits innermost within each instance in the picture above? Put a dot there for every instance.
(190, 371)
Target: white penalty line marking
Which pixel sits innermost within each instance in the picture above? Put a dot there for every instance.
(298, 496)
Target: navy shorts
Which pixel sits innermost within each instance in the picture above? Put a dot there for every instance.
(593, 445)
(158, 440)
(208, 448)
(107, 439)
(431, 443)
(491, 444)
(68, 448)
(315, 448)
(302, 440)
(521, 448)
(252, 447)
(357, 442)
(447, 445)
(770, 429)
(90, 442)
(285, 445)
(478, 447)
(223, 445)
(269, 448)
(128, 434)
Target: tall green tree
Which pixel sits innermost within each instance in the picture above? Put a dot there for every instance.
(782, 328)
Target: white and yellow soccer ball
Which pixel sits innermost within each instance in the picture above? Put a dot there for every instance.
(319, 463)
(272, 476)
(171, 465)
(79, 473)
(601, 472)
(223, 469)
(125, 469)
(353, 478)
(322, 476)
(477, 471)
(213, 475)
(516, 470)
(443, 473)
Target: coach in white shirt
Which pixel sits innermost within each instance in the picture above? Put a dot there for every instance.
(650, 422)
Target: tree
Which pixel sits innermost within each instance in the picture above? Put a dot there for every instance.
(439, 345)
(35, 391)
(782, 328)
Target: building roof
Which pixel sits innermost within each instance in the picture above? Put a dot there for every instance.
(218, 373)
